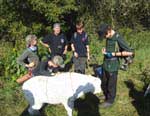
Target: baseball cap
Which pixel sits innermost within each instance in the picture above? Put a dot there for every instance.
(58, 60)
(56, 25)
(102, 29)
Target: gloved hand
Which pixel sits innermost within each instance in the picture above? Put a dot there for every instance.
(108, 54)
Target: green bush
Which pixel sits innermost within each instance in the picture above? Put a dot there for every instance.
(136, 40)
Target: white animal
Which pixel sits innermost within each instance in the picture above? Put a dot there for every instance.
(63, 88)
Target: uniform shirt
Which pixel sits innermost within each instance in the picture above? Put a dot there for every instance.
(80, 41)
(56, 43)
(112, 45)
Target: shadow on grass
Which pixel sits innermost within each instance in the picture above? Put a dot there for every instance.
(141, 103)
(89, 106)
(25, 112)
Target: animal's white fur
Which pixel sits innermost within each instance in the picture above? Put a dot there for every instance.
(63, 88)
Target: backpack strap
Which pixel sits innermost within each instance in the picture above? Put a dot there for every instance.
(117, 48)
(86, 35)
(75, 35)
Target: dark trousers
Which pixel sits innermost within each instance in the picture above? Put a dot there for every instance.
(79, 64)
(109, 84)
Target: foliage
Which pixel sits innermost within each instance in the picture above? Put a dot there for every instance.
(136, 40)
(118, 13)
(31, 16)
(36, 16)
(19, 18)
(11, 69)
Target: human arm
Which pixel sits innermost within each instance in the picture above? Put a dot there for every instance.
(123, 46)
(73, 48)
(22, 57)
(44, 44)
(65, 50)
(74, 52)
(88, 52)
(117, 54)
(45, 41)
(30, 65)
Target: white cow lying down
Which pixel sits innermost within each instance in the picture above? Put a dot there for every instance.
(63, 88)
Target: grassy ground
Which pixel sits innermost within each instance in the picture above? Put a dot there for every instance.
(129, 101)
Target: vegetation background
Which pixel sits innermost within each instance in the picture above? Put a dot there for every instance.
(18, 18)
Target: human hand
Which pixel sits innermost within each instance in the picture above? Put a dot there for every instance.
(103, 50)
(30, 65)
(108, 54)
(76, 54)
(88, 58)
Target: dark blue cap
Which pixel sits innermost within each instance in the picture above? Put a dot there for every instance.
(102, 29)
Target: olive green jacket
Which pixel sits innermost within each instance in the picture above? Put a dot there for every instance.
(30, 56)
(114, 44)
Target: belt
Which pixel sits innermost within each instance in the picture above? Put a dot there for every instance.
(113, 58)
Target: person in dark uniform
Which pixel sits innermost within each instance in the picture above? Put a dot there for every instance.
(111, 61)
(56, 42)
(80, 48)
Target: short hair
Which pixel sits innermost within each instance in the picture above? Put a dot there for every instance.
(58, 60)
(30, 38)
(79, 24)
(56, 25)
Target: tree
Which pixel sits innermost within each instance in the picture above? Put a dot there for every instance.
(21, 17)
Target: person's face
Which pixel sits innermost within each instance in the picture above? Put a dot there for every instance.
(50, 63)
(108, 34)
(79, 30)
(34, 42)
(57, 30)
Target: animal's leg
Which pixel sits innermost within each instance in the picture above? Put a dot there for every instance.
(69, 106)
(33, 112)
(34, 109)
(37, 105)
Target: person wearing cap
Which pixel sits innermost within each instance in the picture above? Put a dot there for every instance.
(56, 42)
(111, 61)
(80, 48)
